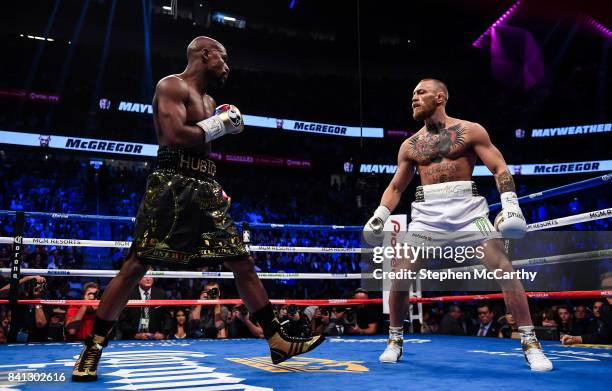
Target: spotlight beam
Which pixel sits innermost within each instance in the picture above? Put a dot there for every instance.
(509, 12)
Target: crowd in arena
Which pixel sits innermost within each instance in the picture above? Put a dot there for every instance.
(31, 181)
(115, 190)
(36, 323)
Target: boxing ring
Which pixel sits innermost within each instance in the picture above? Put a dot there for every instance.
(430, 361)
(351, 363)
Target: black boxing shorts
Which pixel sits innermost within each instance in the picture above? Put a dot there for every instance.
(183, 219)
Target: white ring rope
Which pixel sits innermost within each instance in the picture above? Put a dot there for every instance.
(571, 220)
(554, 259)
(185, 274)
(560, 222)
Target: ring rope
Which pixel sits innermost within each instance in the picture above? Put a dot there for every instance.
(155, 303)
(553, 259)
(126, 219)
(560, 222)
(569, 188)
(595, 294)
(592, 294)
(185, 274)
(574, 257)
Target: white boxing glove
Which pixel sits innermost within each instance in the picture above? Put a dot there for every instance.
(373, 232)
(227, 120)
(510, 221)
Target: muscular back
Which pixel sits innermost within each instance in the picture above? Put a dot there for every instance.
(442, 155)
(178, 105)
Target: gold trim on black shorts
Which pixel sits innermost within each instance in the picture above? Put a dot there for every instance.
(183, 222)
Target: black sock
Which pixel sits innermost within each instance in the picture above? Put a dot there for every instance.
(264, 317)
(103, 327)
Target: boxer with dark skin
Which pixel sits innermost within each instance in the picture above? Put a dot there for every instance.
(180, 101)
(182, 108)
(445, 150)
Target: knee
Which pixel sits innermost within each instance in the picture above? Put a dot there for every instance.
(504, 264)
(497, 259)
(132, 269)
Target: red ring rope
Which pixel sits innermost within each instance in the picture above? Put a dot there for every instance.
(330, 302)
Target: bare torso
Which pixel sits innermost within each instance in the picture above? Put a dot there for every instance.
(198, 107)
(442, 155)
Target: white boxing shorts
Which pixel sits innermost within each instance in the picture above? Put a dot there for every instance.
(449, 213)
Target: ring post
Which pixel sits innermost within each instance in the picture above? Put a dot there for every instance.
(18, 229)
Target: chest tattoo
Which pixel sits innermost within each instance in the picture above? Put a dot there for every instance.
(443, 172)
(432, 146)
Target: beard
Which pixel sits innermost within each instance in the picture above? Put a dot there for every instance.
(216, 80)
(423, 112)
(220, 82)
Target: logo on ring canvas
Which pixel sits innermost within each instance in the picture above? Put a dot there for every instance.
(303, 364)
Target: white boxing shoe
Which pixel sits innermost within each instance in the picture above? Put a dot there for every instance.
(535, 357)
(393, 352)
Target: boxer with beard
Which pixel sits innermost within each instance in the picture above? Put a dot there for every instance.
(444, 151)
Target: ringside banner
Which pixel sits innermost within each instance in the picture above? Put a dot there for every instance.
(150, 150)
(137, 149)
(32, 96)
(264, 122)
(572, 130)
(78, 144)
(515, 169)
(313, 127)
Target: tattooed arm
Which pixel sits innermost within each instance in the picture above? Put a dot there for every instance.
(510, 221)
(404, 174)
(493, 159)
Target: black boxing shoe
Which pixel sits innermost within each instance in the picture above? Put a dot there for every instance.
(86, 367)
(283, 346)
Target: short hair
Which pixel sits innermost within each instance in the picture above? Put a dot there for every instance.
(484, 304)
(440, 85)
(199, 43)
(211, 283)
(563, 307)
(605, 276)
(90, 285)
(361, 290)
(454, 307)
(602, 301)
